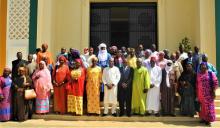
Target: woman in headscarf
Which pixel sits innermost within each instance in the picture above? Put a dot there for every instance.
(43, 85)
(20, 105)
(167, 89)
(93, 79)
(5, 95)
(60, 80)
(75, 89)
(187, 82)
(207, 83)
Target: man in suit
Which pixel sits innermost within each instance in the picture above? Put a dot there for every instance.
(125, 88)
(19, 62)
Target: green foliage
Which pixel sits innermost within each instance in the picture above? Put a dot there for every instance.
(186, 43)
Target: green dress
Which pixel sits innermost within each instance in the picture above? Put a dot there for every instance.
(141, 81)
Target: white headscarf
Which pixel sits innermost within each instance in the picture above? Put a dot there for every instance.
(168, 69)
(103, 54)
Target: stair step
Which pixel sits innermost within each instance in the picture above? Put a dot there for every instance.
(217, 103)
(217, 110)
(111, 118)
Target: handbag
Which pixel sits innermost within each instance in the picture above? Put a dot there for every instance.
(30, 94)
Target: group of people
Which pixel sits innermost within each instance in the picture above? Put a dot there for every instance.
(143, 82)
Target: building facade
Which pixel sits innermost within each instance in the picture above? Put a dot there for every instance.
(26, 24)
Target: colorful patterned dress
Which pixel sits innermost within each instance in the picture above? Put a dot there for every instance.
(204, 89)
(5, 104)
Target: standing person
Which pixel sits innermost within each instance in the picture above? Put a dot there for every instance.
(153, 95)
(211, 68)
(207, 83)
(31, 65)
(20, 105)
(166, 54)
(36, 53)
(119, 59)
(124, 51)
(17, 63)
(161, 60)
(167, 89)
(62, 53)
(75, 88)
(187, 90)
(43, 85)
(125, 88)
(49, 66)
(141, 83)
(140, 51)
(103, 56)
(183, 54)
(146, 61)
(93, 84)
(111, 76)
(132, 58)
(60, 80)
(44, 53)
(196, 58)
(154, 50)
(5, 95)
(91, 55)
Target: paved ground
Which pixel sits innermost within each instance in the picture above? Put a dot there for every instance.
(40, 123)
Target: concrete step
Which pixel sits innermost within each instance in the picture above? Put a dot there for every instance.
(217, 103)
(118, 119)
(217, 110)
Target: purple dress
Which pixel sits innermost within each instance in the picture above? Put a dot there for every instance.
(5, 105)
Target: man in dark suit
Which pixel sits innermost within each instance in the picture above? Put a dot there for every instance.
(19, 62)
(125, 88)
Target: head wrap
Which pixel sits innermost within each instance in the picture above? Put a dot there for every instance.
(62, 58)
(75, 53)
(103, 54)
(148, 51)
(43, 62)
(161, 53)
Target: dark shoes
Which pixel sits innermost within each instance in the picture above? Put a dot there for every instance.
(114, 114)
(103, 115)
(157, 114)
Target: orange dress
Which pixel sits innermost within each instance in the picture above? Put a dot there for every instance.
(60, 75)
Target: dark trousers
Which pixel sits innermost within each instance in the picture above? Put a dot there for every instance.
(124, 99)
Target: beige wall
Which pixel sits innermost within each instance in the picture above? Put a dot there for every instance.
(66, 23)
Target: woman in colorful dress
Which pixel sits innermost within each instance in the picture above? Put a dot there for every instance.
(75, 88)
(5, 95)
(60, 80)
(43, 85)
(94, 77)
(207, 83)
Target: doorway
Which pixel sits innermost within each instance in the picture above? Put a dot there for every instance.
(123, 24)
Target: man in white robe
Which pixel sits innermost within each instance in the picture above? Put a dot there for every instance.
(111, 76)
(153, 95)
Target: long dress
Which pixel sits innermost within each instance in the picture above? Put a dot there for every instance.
(94, 78)
(141, 81)
(60, 75)
(168, 93)
(204, 89)
(153, 94)
(111, 75)
(75, 90)
(5, 104)
(42, 86)
(187, 93)
(20, 105)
